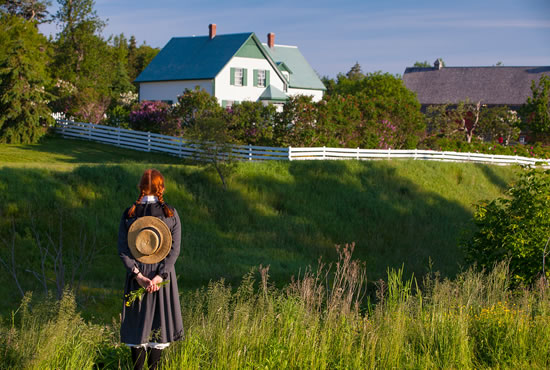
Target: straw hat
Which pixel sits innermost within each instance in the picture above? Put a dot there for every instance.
(149, 239)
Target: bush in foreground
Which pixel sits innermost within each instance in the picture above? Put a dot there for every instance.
(515, 228)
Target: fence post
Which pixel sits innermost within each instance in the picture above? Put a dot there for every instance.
(289, 153)
(90, 132)
(415, 154)
(148, 141)
(249, 152)
(389, 153)
(324, 151)
(118, 136)
(357, 153)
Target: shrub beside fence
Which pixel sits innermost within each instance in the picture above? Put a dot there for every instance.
(146, 141)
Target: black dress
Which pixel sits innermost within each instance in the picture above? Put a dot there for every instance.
(157, 317)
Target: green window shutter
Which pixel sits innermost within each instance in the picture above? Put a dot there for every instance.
(224, 102)
(232, 77)
(255, 77)
(266, 78)
(244, 76)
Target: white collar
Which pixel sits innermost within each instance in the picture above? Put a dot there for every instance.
(149, 199)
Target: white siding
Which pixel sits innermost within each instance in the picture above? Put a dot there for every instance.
(170, 90)
(224, 90)
(317, 94)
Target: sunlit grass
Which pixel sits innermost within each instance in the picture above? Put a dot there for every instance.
(282, 214)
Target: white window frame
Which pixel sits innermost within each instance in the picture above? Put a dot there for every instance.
(261, 78)
(239, 76)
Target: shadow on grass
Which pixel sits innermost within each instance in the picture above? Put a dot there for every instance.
(493, 177)
(285, 215)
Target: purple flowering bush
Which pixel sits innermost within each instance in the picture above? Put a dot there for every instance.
(154, 116)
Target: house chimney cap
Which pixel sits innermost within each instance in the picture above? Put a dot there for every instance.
(212, 30)
(271, 40)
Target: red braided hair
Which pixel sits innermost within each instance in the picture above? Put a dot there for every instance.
(151, 183)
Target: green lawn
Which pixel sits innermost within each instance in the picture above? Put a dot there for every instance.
(283, 214)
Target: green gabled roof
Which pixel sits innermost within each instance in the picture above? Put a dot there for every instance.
(303, 76)
(273, 94)
(193, 58)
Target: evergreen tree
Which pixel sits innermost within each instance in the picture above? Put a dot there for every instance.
(84, 60)
(536, 111)
(31, 10)
(139, 57)
(23, 77)
(355, 73)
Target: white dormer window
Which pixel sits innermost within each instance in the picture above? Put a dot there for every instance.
(261, 78)
(287, 76)
(238, 76)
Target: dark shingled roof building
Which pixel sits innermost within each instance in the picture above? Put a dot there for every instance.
(509, 86)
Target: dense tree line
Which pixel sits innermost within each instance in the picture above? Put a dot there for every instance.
(88, 77)
(78, 72)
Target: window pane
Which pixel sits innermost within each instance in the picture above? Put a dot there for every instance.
(261, 78)
(238, 76)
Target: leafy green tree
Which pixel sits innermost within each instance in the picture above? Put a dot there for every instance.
(472, 121)
(214, 144)
(515, 228)
(499, 124)
(424, 64)
(460, 122)
(383, 98)
(252, 123)
(83, 59)
(338, 120)
(23, 78)
(536, 111)
(31, 10)
(195, 104)
(139, 57)
(121, 82)
(296, 124)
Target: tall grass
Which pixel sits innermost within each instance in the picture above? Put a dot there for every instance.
(50, 334)
(321, 320)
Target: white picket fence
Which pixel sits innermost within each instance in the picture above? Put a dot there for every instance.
(146, 141)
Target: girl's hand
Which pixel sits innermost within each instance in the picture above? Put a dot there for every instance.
(156, 280)
(144, 281)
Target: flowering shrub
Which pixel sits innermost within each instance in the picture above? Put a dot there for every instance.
(387, 133)
(154, 116)
(251, 123)
(523, 150)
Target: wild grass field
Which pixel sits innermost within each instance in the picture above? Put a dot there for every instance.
(285, 215)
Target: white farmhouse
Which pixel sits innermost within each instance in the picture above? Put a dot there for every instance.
(232, 67)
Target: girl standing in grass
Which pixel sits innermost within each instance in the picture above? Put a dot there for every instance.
(149, 240)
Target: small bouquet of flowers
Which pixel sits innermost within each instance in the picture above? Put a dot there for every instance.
(139, 293)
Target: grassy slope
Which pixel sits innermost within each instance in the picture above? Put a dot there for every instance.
(285, 214)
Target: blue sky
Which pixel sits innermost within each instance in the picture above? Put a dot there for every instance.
(381, 35)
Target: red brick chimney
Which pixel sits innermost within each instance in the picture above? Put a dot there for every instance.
(212, 30)
(271, 40)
